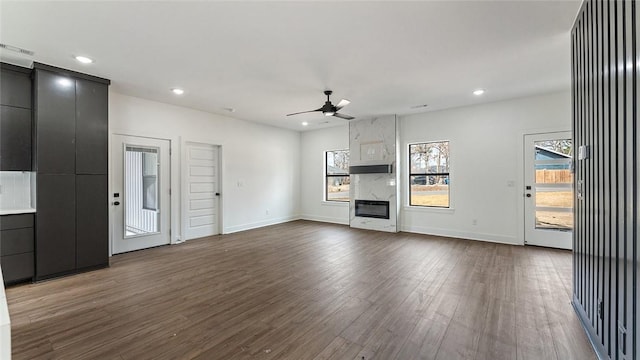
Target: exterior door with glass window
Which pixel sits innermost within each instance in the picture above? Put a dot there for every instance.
(548, 190)
(141, 188)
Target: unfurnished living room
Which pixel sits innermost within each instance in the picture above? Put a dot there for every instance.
(366, 180)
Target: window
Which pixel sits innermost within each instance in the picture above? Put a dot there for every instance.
(337, 175)
(429, 174)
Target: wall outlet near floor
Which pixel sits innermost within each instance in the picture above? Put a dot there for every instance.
(474, 222)
(267, 211)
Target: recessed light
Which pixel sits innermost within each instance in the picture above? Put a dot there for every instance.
(84, 59)
(177, 91)
(478, 92)
(304, 123)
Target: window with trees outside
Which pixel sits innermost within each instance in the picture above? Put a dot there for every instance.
(337, 175)
(429, 174)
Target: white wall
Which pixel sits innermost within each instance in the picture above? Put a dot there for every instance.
(260, 167)
(486, 153)
(313, 146)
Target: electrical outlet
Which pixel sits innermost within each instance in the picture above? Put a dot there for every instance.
(474, 222)
(267, 211)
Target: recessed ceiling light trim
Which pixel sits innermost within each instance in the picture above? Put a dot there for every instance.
(177, 91)
(478, 92)
(304, 123)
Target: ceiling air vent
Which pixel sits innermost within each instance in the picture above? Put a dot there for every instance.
(16, 49)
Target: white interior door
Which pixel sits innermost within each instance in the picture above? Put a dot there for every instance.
(200, 204)
(141, 193)
(548, 189)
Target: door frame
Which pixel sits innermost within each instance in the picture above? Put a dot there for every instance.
(183, 188)
(521, 178)
(174, 181)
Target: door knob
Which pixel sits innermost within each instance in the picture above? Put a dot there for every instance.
(528, 195)
(116, 203)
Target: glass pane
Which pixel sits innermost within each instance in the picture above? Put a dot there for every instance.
(429, 190)
(554, 184)
(554, 220)
(141, 191)
(429, 158)
(338, 188)
(338, 162)
(554, 198)
(149, 181)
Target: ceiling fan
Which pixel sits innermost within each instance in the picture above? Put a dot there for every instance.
(328, 109)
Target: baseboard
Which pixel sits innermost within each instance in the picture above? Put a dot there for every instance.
(495, 238)
(259, 224)
(593, 338)
(325, 219)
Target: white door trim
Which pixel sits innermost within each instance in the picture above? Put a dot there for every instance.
(183, 182)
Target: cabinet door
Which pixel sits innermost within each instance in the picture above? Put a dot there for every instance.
(92, 110)
(92, 221)
(17, 267)
(15, 89)
(55, 115)
(15, 138)
(55, 225)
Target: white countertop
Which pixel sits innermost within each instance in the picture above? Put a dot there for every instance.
(17, 211)
(5, 324)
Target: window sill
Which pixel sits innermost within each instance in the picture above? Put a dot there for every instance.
(335, 203)
(433, 210)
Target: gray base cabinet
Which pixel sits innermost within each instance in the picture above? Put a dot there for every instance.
(16, 247)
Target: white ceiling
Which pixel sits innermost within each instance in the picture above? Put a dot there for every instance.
(267, 59)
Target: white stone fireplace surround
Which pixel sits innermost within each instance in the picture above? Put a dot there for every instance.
(374, 142)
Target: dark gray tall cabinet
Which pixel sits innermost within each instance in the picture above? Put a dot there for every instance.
(71, 152)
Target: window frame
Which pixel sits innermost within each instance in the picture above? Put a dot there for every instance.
(426, 175)
(327, 176)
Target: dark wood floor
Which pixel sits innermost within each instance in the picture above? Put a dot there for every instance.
(306, 290)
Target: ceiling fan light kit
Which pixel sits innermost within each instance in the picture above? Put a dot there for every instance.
(328, 109)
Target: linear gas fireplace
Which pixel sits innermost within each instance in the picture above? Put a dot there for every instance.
(372, 208)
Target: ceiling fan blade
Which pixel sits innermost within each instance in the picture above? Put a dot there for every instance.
(343, 103)
(341, 116)
(304, 112)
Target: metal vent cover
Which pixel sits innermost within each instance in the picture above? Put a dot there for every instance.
(16, 49)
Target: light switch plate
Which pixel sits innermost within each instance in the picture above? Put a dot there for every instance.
(583, 152)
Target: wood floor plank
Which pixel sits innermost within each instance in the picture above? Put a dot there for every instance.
(307, 290)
